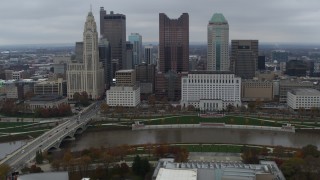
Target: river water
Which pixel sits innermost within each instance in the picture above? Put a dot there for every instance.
(110, 138)
(9, 147)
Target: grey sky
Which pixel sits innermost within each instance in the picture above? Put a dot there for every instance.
(61, 21)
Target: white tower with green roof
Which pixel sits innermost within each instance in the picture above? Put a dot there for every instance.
(218, 44)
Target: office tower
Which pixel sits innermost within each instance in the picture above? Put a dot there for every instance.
(218, 44)
(279, 55)
(296, 68)
(173, 55)
(136, 40)
(148, 56)
(128, 64)
(174, 43)
(126, 77)
(105, 59)
(244, 56)
(146, 77)
(261, 63)
(113, 27)
(88, 75)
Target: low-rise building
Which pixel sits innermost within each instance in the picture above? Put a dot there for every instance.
(46, 101)
(169, 170)
(210, 91)
(252, 90)
(126, 96)
(303, 98)
(290, 84)
(49, 87)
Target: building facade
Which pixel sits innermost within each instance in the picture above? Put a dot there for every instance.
(113, 27)
(288, 84)
(136, 40)
(210, 90)
(49, 87)
(303, 98)
(105, 59)
(46, 101)
(89, 75)
(252, 90)
(145, 76)
(128, 64)
(244, 58)
(173, 55)
(148, 54)
(218, 44)
(173, 43)
(126, 77)
(126, 96)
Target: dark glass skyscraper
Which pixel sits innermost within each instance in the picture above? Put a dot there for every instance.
(105, 58)
(174, 43)
(244, 56)
(113, 27)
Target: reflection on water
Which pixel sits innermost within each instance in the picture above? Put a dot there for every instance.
(232, 136)
(9, 147)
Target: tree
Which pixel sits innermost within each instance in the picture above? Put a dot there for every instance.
(140, 167)
(190, 108)
(136, 165)
(310, 150)
(252, 106)
(291, 167)
(39, 157)
(84, 98)
(4, 170)
(76, 97)
(104, 108)
(250, 155)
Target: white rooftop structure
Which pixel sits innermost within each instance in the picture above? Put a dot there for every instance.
(177, 174)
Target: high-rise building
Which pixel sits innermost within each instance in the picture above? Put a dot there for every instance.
(148, 54)
(136, 40)
(88, 75)
(174, 43)
(173, 55)
(113, 27)
(244, 56)
(261, 63)
(105, 58)
(128, 64)
(145, 77)
(218, 44)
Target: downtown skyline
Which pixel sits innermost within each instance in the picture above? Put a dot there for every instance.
(42, 22)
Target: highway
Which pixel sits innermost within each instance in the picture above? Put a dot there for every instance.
(20, 157)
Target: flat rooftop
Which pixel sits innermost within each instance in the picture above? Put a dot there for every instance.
(305, 92)
(125, 71)
(177, 174)
(47, 98)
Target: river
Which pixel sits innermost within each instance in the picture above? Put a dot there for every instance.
(9, 147)
(110, 138)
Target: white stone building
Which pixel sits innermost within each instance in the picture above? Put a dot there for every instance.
(211, 91)
(88, 75)
(46, 101)
(126, 96)
(303, 98)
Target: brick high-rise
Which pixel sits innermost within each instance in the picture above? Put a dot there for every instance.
(173, 55)
(174, 43)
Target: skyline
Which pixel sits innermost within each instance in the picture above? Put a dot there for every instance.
(42, 22)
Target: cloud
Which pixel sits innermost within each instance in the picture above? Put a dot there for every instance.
(61, 21)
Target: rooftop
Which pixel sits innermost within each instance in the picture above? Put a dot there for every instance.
(305, 92)
(177, 174)
(125, 71)
(218, 18)
(47, 98)
(46, 176)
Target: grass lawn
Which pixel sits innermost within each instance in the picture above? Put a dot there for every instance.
(13, 124)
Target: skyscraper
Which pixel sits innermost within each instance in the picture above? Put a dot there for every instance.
(129, 56)
(136, 40)
(87, 75)
(173, 55)
(244, 56)
(113, 27)
(148, 55)
(105, 58)
(174, 43)
(218, 44)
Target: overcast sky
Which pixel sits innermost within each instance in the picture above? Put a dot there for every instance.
(62, 21)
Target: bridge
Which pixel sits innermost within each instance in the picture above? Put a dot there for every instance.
(51, 139)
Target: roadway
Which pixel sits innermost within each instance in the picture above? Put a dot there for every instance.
(20, 157)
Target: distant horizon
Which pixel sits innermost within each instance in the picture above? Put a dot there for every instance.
(57, 45)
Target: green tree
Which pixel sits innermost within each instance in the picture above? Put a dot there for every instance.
(76, 97)
(140, 167)
(39, 157)
(84, 99)
(310, 150)
(291, 167)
